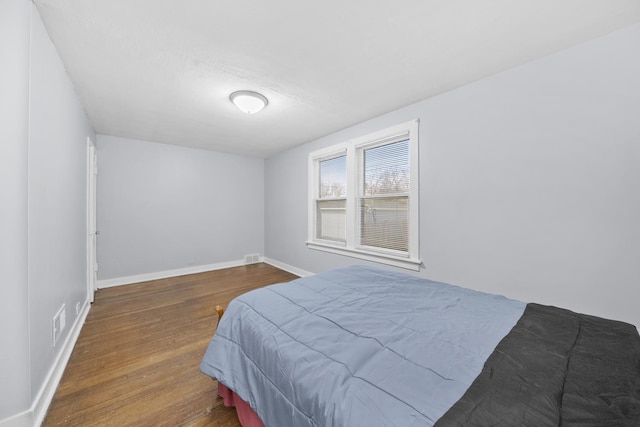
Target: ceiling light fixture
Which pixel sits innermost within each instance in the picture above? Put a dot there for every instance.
(248, 101)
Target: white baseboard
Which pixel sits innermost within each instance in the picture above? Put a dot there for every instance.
(138, 278)
(119, 281)
(35, 415)
(286, 267)
(45, 395)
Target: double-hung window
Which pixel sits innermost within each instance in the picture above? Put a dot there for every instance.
(363, 197)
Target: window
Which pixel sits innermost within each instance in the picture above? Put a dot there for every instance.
(363, 197)
(332, 199)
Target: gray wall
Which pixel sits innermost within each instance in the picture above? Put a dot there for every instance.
(43, 192)
(58, 132)
(528, 182)
(163, 207)
(14, 133)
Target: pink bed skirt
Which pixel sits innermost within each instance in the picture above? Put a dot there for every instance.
(246, 415)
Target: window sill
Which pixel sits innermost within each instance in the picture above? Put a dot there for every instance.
(408, 263)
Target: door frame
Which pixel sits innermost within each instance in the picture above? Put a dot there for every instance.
(92, 231)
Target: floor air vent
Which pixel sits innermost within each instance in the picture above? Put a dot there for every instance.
(252, 259)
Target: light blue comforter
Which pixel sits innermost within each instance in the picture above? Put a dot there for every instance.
(358, 346)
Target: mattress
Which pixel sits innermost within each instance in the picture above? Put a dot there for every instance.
(368, 346)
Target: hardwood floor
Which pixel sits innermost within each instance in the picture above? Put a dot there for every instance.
(136, 362)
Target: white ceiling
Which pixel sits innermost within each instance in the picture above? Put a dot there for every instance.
(162, 70)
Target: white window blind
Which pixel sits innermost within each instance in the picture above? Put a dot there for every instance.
(384, 196)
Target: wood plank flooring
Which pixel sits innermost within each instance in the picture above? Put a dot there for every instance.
(136, 361)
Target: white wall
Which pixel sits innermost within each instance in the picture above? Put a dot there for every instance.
(528, 182)
(43, 217)
(14, 134)
(163, 207)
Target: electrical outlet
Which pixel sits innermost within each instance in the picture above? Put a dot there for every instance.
(55, 331)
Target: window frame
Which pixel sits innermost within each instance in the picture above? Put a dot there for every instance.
(354, 151)
(331, 154)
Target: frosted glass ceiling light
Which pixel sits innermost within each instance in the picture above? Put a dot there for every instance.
(249, 102)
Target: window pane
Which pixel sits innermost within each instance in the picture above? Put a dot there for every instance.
(386, 169)
(385, 222)
(331, 223)
(333, 177)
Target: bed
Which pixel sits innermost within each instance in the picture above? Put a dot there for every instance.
(365, 346)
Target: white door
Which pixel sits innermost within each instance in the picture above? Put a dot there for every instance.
(92, 264)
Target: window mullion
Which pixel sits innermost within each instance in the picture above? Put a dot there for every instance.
(352, 195)
(414, 193)
(312, 191)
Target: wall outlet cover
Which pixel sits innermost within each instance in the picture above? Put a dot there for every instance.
(58, 324)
